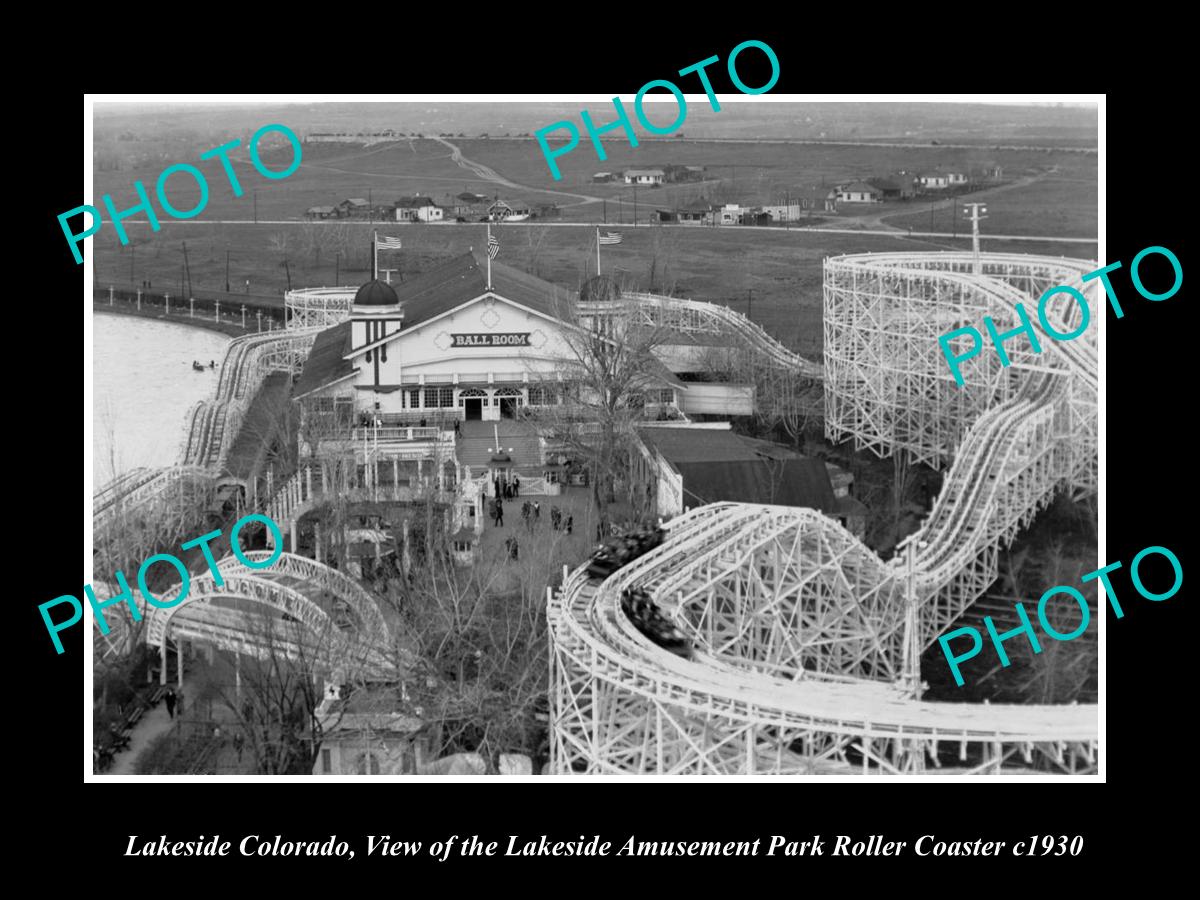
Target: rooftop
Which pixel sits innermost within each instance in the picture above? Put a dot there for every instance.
(463, 278)
(325, 363)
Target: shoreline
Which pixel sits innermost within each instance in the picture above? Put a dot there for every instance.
(229, 328)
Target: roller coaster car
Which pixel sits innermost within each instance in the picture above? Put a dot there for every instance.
(623, 550)
(642, 611)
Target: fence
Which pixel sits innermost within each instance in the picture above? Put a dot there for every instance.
(261, 313)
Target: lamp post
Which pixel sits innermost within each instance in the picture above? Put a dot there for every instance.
(976, 211)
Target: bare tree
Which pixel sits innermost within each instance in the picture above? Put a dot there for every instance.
(608, 366)
(481, 634)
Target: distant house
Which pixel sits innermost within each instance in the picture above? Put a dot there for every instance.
(467, 204)
(664, 215)
(676, 174)
(698, 213)
(355, 206)
(602, 177)
(933, 181)
(956, 178)
(894, 187)
(817, 199)
(418, 209)
(320, 212)
(858, 192)
(730, 214)
(644, 176)
(783, 212)
(504, 211)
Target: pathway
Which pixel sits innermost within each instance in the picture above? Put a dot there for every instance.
(488, 174)
(152, 725)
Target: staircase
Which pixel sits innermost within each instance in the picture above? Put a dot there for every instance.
(478, 442)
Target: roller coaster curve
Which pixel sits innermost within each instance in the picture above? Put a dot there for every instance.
(799, 627)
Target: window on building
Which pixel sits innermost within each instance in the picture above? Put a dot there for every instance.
(666, 395)
(414, 398)
(326, 762)
(440, 396)
(368, 764)
(542, 396)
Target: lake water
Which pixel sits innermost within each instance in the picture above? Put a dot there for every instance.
(143, 387)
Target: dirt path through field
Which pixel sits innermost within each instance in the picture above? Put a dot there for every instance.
(488, 174)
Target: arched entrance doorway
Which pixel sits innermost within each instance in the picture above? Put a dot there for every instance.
(472, 401)
(510, 400)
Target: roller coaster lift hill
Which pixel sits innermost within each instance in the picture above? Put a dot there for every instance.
(953, 360)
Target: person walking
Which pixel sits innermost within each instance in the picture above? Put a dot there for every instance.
(169, 697)
(555, 517)
(496, 484)
(239, 742)
(570, 523)
(499, 513)
(537, 510)
(516, 486)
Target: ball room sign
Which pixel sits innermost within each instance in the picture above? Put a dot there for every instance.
(490, 340)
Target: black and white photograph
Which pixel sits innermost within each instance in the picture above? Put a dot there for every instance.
(452, 437)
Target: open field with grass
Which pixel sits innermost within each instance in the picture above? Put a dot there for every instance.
(1048, 206)
(719, 265)
(749, 174)
(753, 174)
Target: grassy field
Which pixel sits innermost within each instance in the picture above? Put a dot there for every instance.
(749, 174)
(1051, 206)
(718, 265)
(760, 173)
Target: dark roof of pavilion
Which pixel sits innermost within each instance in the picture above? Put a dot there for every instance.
(780, 482)
(325, 363)
(464, 277)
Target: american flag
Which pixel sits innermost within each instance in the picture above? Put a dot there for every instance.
(493, 247)
(387, 243)
(610, 237)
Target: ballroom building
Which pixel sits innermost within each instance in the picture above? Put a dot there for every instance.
(453, 343)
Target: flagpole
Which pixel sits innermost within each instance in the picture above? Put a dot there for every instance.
(488, 253)
(374, 255)
(597, 249)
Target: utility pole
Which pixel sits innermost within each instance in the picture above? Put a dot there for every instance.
(635, 204)
(337, 267)
(187, 268)
(227, 270)
(976, 210)
(132, 257)
(288, 271)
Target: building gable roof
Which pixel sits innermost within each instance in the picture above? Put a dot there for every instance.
(464, 278)
(860, 187)
(326, 363)
(415, 202)
(684, 445)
